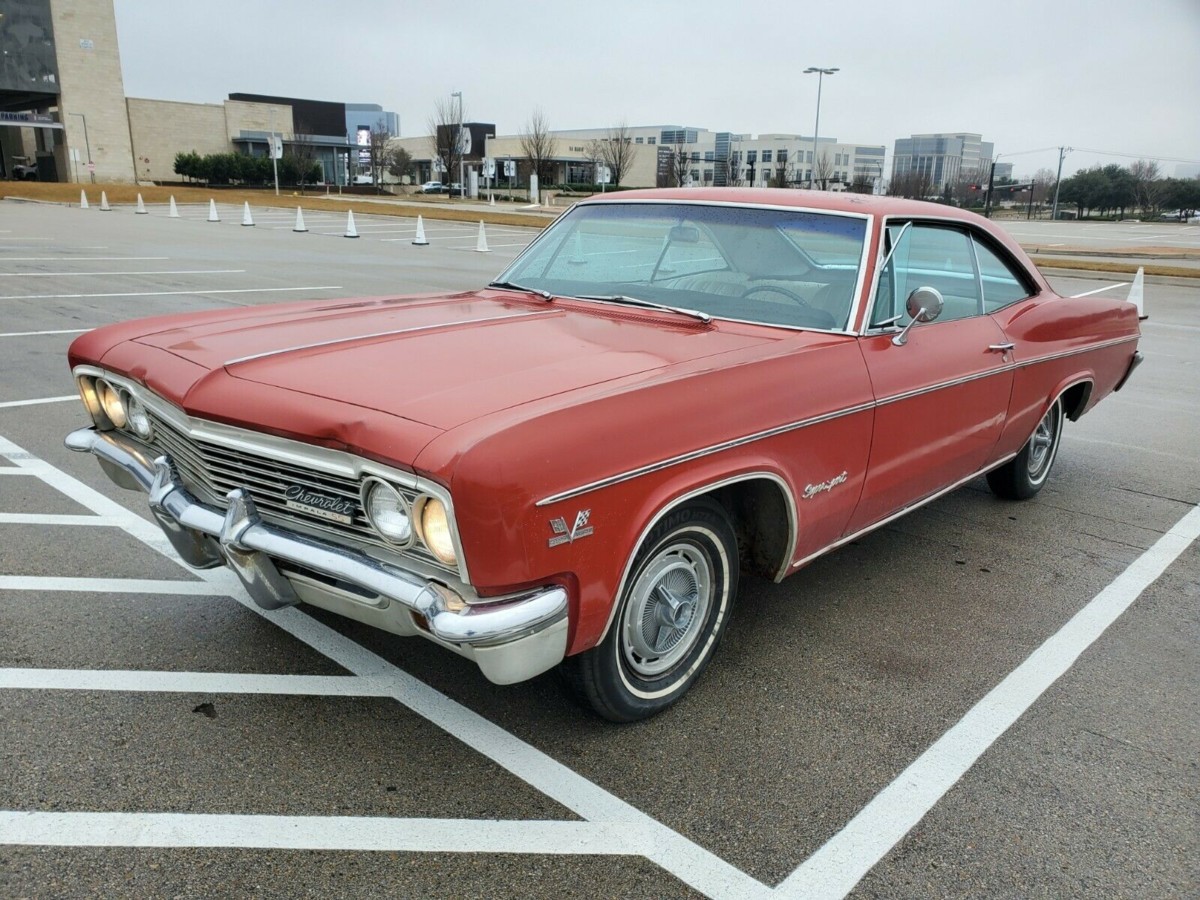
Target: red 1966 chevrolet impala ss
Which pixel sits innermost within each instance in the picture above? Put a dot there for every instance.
(573, 465)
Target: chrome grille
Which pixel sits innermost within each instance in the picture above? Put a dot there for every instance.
(210, 471)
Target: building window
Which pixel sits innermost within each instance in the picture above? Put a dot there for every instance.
(637, 140)
(751, 157)
(708, 176)
(782, 156)
(710, 156)
(809, 160)
(651, 140)
(766, 156)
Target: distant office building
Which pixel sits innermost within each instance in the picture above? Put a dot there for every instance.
(941, 160)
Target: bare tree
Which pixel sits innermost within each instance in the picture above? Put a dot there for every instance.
(1147, 184)
(823, 170)
(680, 165)
(784, 172)
(303, 150)
(912, 184)
(445, 144)
(539, 146)
(378, 150)
(593, 153)
(617, 151)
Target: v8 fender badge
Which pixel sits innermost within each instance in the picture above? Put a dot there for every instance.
(811, 490)
(564, 535)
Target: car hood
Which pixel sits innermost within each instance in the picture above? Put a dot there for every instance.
(446, 361)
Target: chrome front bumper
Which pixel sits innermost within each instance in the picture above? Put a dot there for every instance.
(511, 640)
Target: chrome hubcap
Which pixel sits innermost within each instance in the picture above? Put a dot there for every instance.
(1041, 445)
(667, 608)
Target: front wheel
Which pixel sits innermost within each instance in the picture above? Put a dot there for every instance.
(1023, 476)
(670, 618)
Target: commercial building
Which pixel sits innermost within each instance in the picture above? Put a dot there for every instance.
(941, 161)
(64, 115)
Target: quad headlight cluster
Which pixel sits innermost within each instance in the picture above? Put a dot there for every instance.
(398, 521)
(114, 407)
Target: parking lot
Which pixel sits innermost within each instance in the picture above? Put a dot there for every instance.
(981, 699)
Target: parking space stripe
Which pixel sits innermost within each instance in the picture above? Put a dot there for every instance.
(97, 274)
(11, 403)
(40, 333)
(4, 259)
(834, 870)
(195, 292)
(52, 519)
(190, 682)
(80, 829)
(107, 585)
(1108, 287)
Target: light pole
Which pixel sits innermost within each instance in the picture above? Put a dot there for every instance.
(821, 73)
(458, 144)
(271, 150)
(87, 145)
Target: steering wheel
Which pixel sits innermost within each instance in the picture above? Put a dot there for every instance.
(774, 289)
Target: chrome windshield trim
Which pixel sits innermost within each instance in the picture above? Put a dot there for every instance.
(378, 334)
(704, 451)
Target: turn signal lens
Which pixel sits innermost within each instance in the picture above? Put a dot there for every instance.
(110, 402)
(435, 531)
(87, 391)
(388, 512)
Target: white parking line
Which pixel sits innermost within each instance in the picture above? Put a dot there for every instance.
(94, 274)
(190, 682)
(39, 333)
(841, 863)
(10, 403)
(4, 259)
(1100, 290)
(53, 519)
(320, 833)
(197, 292)
(58, 584)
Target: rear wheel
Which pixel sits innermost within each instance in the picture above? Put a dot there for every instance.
(671, 616)
(1024, 475)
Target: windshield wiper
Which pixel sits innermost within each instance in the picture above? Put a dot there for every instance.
(513, 286)
(645, 304)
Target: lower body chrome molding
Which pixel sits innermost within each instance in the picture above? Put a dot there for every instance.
(511, 639)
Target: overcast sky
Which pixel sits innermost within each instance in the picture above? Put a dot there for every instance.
(1119, 77)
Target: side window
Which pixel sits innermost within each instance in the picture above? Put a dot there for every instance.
(1001, 285)
(928, 256)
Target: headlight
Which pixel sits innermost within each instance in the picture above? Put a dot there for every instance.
(435, 531)
(139, 419)
(111, 403)
(388, 512)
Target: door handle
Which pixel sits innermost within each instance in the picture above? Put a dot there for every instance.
(1002, 348)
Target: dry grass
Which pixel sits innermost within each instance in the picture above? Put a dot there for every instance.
(1117, 268)
(432, 207)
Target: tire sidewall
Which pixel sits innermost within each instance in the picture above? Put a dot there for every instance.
(706, 527)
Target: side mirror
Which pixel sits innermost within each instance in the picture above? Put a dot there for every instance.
(923, 305)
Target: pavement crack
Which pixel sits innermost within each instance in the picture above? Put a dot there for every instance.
(1157, 496)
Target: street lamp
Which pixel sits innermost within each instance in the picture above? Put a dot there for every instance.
(821, 73)
(87, 144)
(458, 143)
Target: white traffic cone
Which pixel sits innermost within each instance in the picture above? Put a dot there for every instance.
(420, 240)
(300, 226)
(493, 200)
(104, 202)
(481, 244)
(83, 204)
(246, 219)
(141, 207)
(351, 231)
(174, 211)
(1136, 293)
(212, 211)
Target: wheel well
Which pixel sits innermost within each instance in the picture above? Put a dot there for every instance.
(1075, 399)
(759, 510)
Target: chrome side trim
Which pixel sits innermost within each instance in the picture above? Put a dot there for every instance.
(793, 530)
(896, 515)
(1113, 342)
(366, 337)
(704, 451)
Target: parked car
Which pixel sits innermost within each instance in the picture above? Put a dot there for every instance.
(432, 187)
(24, 169)
(363, 179)
(575, 464)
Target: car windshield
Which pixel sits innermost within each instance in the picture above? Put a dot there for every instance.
(770, 266)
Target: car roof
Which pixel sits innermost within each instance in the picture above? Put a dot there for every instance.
(834, 201)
